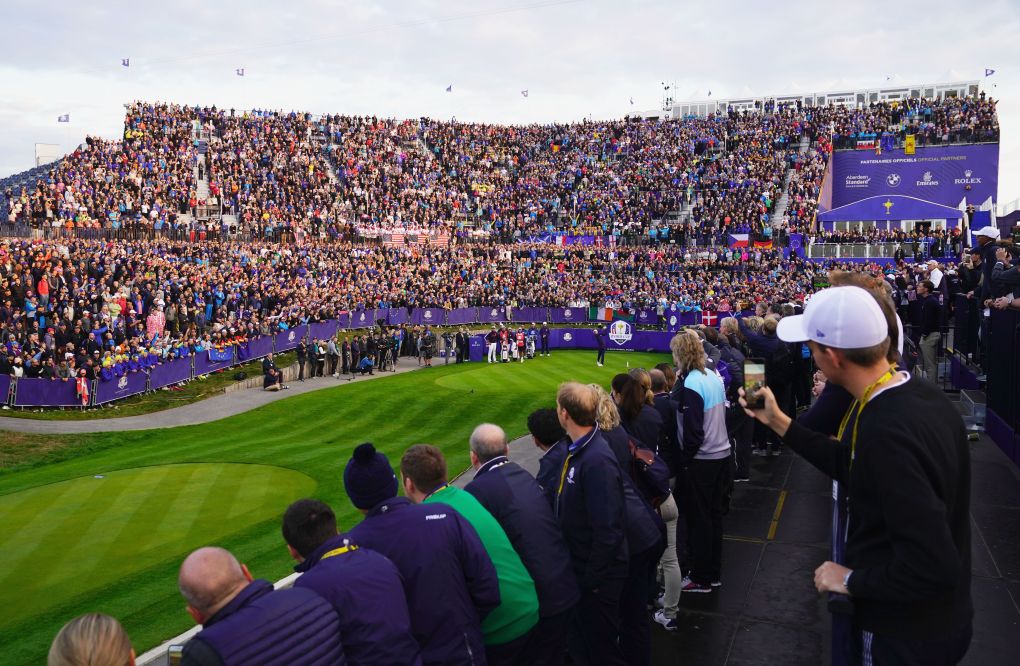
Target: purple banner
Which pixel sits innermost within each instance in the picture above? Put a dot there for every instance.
(5, 388)
(322, 330)
(621, 335)
(344, 321)
(287, 340)
(476, 348)
(173, 372)
(203, 366)
(942, 174)
(462, 316)
(363, 319)
(429, 316)
(132, 383)
(33, 392)
(492, 315)
(646, 317)
(536, 315)
(567, 315)
(396, 316)
(255, 348)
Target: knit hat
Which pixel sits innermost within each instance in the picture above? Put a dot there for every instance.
(368, 477)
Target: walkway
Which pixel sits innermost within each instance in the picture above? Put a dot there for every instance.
(203, 411)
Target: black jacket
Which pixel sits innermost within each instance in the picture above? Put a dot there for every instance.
(908, 540)
(516, 501)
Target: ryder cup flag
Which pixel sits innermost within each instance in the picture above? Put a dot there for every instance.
(66, 118)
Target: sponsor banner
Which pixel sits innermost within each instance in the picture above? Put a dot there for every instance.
(255, 348)
(132, 383)
(429, 316)
(677, 319)
(35, 392)
(287, 340)
(5, 388)
(536, 315)
(567, 315)
(175, 371)
(622, 336)
(363, 318)
(397, 316)
(462, 316)
(646, 317)
(941, 174)
(476, 348)
(322, 330)
(344, 320)
(204, 364)
(492, 315)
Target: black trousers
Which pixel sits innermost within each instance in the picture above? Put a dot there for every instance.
(595, 629)
(602, 355)
(635, 630)
(508, 654)
(545, 345)
(881, 650)
(301, 367)
(741, 429)
(547, 642)
(705, 486)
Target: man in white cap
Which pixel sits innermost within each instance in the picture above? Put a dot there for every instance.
(986, 239)
(902, 454)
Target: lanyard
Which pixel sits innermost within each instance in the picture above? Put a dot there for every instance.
(339, 551)
(857, 407)
(445, 486)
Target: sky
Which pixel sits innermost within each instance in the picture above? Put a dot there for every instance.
(394, 58)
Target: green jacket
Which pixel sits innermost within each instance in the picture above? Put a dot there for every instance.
(517, 612)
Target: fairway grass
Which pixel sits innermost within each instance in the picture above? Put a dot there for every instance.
(71, 543)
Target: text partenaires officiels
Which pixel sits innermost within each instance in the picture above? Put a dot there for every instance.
(902, 453)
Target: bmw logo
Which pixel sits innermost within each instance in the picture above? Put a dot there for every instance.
(893, 179)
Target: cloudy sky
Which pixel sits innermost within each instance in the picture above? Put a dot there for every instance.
(395, 58)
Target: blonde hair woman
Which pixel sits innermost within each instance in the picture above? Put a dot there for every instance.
(92, 640)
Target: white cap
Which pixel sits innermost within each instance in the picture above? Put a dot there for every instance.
(988, 232)
(839, 317)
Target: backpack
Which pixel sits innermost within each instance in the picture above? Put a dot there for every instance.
(650, 474)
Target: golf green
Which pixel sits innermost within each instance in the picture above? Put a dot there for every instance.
(71, 543)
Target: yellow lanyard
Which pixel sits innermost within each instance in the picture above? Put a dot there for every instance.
(339, 551)
(858, 406)
(563, 474)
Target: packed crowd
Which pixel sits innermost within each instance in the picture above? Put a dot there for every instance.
(288, 175)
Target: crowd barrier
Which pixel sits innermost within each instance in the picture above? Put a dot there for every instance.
(35, 392)
(1003, 385)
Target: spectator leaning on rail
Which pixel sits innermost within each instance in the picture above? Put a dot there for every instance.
(902, 454)
(93, 639)
(364, 588)
(515, 499)
(246, 621)
(507, 628)
(449, 579)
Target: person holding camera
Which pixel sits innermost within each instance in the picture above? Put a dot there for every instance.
(901, 451)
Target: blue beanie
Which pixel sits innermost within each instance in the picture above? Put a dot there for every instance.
(368, 477)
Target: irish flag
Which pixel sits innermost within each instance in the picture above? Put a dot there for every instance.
(608, 314)
(739, 240)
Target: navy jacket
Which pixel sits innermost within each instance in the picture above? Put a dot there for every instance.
(449, 579)
(669, 446)
(647, 428)
(590, 507)
(644, 525)
(515, 500)
(263, 627)
(763, 346)
(367, 593)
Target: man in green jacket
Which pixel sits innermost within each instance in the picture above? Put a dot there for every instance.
(505, 629)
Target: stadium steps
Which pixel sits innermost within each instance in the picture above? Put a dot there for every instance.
(784, 200)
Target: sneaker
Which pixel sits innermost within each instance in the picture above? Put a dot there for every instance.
(741, 479)
(690, 586)
(668, 623)
(599, 364)
(716, 583)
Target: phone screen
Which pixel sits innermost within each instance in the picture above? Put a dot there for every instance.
(754, 379)
(174, 654)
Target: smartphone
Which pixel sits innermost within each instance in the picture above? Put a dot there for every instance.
(754, 379)
(174, 654)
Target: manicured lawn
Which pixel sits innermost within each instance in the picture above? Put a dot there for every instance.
(72, 543)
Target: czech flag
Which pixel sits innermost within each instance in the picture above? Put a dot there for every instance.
(738, 240)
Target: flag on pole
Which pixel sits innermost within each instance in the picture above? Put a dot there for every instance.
(239, 71)
(524, 93)
(709, 93)
(126, 62)
(66, 118)
(989, 72)
(709, 318)
(632, 101)
(449, 88)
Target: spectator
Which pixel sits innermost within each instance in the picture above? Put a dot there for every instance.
(637, 415)
(902, 451)
(739, 427)
(516, 501)
(364, 588)
(93, 639)
(546, 432)
(245, 620)
(450, 581)
(931, 334)
(507, 628)
(706, 462)
(590, 508)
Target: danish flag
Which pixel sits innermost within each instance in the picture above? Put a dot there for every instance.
(709, 318)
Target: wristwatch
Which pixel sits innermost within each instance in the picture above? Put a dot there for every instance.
(846, 581)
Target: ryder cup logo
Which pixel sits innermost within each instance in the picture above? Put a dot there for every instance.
(672, 320)
(567, 337)
(290, 336)
(620, 332)
(362, 317)
(568, 314)
(428, 314)
(494, 313)
(893, 180)
(643, 315)
(122, 384)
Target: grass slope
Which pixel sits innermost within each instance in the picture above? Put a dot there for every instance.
(312, 434)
